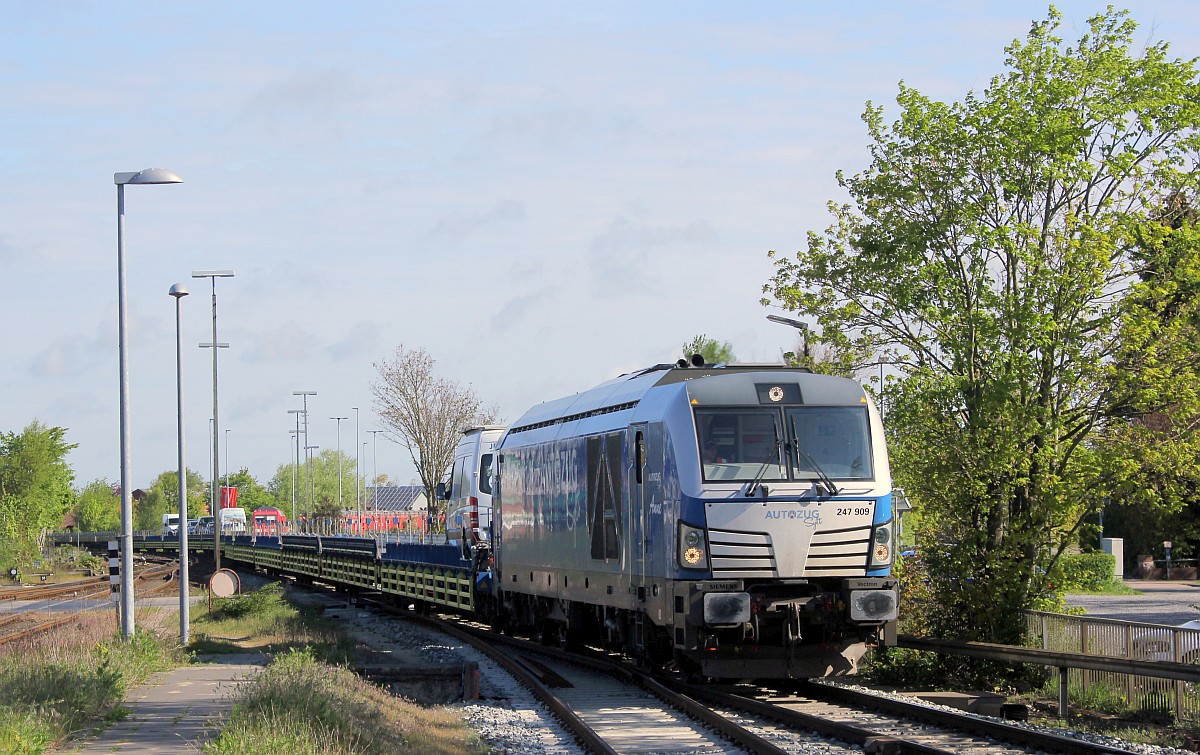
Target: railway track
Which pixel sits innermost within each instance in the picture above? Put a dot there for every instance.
(600, 702)
(612, 707)
(881, 725)
(57, 601)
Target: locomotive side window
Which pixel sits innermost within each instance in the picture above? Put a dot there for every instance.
(740, 444)
(835, 440)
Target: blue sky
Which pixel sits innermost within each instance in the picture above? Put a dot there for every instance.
(542, 195)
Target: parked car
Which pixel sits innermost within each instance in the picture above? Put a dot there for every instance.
(1159, 644)
(193, 526)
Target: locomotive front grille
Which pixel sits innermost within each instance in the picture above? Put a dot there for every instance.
(741, 554)
(839, 553)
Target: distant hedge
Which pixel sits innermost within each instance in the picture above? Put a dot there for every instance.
(1086, 571)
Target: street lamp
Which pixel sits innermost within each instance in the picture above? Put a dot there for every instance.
(147, 176)
(295, 468)
(292, 446)
(216, 434)
(357, 470)
(797, 324)
(339, 447)
(308, 465)
(179, 291)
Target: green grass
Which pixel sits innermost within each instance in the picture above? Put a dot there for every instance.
(1115, 587)
(264, 621)
(300, 704)
(66, 680)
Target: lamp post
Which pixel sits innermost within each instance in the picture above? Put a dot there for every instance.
(147, 176)
(798, 325)
(296, 468)
(293, 437)
(339, 449)
(308, 464)
(357, 470)
(179, 291)
(216, 439)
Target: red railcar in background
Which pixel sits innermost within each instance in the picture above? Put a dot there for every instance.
(269, 521)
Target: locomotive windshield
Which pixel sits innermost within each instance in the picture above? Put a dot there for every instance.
(744, 443)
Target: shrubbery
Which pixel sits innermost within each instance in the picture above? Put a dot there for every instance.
(1085, 571)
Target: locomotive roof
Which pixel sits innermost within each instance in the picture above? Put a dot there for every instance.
(624, 392)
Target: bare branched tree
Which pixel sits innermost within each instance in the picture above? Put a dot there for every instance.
(425, 413)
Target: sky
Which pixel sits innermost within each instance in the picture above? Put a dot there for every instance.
(542, 195)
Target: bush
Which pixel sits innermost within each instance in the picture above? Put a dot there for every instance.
(261, 602)
(1086, 571)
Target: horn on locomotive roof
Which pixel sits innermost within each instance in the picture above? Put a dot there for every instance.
(697, 360)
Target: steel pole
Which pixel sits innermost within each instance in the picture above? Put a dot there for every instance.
(357, 471)
(127, 624)
(341, 508)
(179, 292)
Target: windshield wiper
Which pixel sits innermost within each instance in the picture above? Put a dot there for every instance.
(803, 456)
(762, 471)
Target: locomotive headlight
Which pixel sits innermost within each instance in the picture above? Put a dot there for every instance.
(693, 554)
(881, 547)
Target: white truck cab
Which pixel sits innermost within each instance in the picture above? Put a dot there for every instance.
(468, 493)
(232, 521)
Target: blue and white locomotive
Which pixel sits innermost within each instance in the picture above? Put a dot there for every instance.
(729, 521)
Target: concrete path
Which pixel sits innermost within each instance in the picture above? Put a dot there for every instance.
(1161, 602)
(176, 710)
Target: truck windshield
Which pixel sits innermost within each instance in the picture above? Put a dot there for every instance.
(737, 444)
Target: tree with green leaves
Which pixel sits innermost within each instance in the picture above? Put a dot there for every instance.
(162, 497)
(1150, 448)
(35, 487)
(98, 508)
(987, 253)
(713, 351)
(323, 492)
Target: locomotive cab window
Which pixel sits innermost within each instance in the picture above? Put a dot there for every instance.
(834, 440)
(749, 443)
(740, 444)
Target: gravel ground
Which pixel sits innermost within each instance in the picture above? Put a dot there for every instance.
(513, 722)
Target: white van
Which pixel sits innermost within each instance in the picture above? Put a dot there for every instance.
(468, 492)
(232, 521)
(170, 524)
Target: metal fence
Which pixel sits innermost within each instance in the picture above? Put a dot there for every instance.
(1113, 638)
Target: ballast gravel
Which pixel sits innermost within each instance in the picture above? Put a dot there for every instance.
(511, 721)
